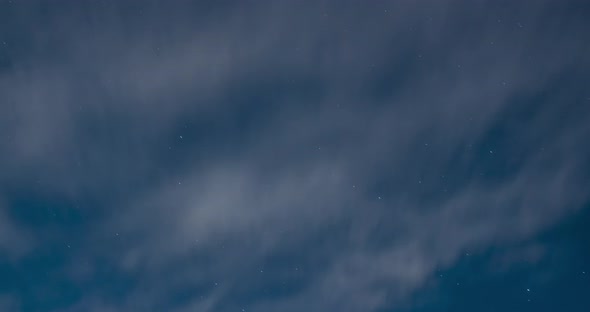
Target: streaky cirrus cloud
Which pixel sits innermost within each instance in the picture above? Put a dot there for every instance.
(284, 156)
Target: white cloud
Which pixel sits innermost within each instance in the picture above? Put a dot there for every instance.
(99, 123)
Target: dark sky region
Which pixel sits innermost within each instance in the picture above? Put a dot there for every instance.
(218, 156)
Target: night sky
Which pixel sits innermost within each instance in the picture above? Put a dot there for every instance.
(292, 156)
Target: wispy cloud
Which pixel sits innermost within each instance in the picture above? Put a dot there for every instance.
(363, 145)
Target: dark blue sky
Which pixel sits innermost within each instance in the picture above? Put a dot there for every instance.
(217, 156)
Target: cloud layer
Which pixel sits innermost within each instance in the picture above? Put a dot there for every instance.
(317, 156)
